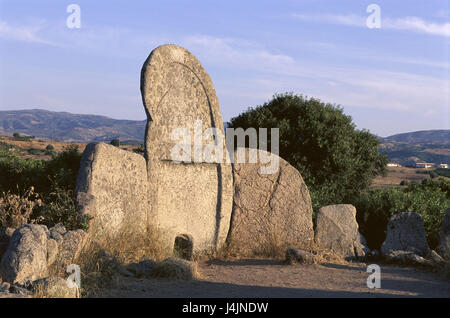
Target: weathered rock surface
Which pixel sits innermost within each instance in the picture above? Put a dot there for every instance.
(338, 231)
(405, 232)
(112, 188)
(26, 257)
(194, 197)
(269, 209)
(299, 256)
(444, 237)
(52, 251)
(407, 258)
(57, 232)
(175, 269)
(69, 248)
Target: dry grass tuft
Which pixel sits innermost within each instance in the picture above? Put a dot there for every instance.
(16, 210)
(129, 245)
(102, 262)
(175, 269)
(54, 287)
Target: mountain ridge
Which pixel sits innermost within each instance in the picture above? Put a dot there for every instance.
(421, 136)
(69, 127)
(84, 128)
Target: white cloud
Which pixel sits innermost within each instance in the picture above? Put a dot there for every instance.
(349, 86)
(413, 24)
(418, 25)
(349, 19)
(27, 33)
(236, 52)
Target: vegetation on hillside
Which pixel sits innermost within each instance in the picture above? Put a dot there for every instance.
(39, 191)
(407, 154)
(374, 207)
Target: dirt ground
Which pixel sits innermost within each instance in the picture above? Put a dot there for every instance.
(273, 279)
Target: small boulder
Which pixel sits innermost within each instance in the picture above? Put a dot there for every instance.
(4, 287)
(299, 256)
(405, 232)
(407, 258)
(175, 269)
(444, 237)
(26, 257)
(338, 231)
(19, 290)
(142, 269)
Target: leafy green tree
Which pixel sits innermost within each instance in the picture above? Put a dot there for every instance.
(336, 160)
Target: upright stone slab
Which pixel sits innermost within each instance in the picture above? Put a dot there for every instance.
(405, 232)
(270, 210)
(338, 231)
(112, 188)
(189, 199)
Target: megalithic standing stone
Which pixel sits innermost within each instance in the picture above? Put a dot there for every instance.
(189, 199)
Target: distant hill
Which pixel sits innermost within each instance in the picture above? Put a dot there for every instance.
(67, 127)
(420, 137)
(418, 146)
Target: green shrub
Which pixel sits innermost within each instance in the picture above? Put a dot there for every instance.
(115, 142)
(60, 207)
(443, 172)
(50, 148)
(18, 137)
(54, 180)
(433, 174)
(34, 151)
(18, 174)
(374, 208)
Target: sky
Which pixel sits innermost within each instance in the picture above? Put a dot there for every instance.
(390, 79)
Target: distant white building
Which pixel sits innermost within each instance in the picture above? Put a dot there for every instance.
(425, 165)
(393, 164)
(443, 165)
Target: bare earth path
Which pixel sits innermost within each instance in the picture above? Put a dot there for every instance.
(272, 279)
